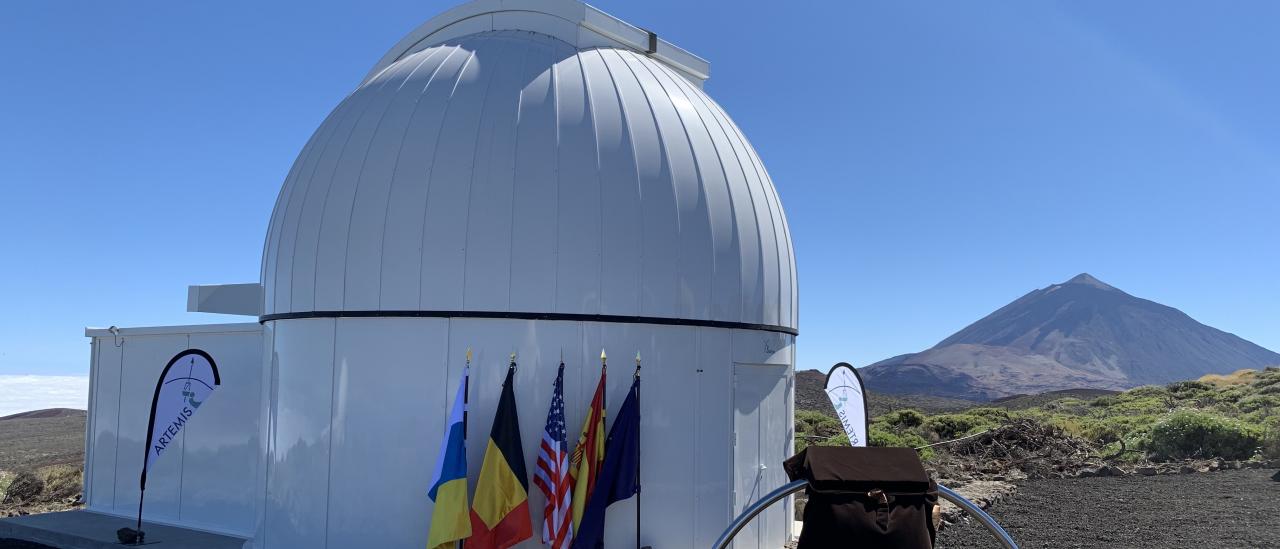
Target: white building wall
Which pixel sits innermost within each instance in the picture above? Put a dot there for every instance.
(211, 483)
(362, 404)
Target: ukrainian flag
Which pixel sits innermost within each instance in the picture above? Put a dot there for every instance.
(449, 520)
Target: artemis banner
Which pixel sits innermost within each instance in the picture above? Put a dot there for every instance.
(844, 388)
(185, 383)
(188, 379)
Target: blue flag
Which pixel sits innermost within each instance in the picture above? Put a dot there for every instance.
(619, 476)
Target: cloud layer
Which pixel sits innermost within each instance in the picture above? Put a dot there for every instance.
(23, 393)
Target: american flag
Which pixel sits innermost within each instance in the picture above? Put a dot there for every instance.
(552, 475)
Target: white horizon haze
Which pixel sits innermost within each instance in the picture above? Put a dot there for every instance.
(26, 392)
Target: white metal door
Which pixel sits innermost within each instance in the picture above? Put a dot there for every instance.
(761, 439)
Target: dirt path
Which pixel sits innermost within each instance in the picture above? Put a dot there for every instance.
(1224, 509)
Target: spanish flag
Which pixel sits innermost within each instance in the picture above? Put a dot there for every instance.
(588, 456)
(500, 515)
(449, 521)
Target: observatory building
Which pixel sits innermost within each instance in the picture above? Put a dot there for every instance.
(525, 176)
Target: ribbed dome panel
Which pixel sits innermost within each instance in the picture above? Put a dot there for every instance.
(507, 171)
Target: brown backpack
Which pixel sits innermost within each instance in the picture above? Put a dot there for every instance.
(865, 498)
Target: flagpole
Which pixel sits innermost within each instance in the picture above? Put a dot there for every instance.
(466, 396)
(638, 484)
(142, 492)
(466, 392)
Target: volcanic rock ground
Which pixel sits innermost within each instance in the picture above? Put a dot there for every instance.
(1224, 509)
(16, 544)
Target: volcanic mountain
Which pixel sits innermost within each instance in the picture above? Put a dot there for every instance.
(1082, 333)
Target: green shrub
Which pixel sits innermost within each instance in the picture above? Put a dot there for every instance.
(988, 415)
(903, 419)
(1271, 438)
(1115, 428)
(1259, 402)
(817, 424)
(949, 426)
(1271, 447)
(1188, 389)
(1135, 405)
(1234, 394)
(1188, 434)
(62, 482)
(1267, 378)
(1146, 391)
(5, 479)
(24, 487)
(815, 428)
(890, 439)
(1103, 401)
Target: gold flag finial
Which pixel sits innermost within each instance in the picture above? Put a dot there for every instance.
(637, 358)
(468, 354)
(603, 357)
(513, 358)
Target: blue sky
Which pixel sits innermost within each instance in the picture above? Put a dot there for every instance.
(936, 160)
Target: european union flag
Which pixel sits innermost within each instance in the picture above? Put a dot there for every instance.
(619, 476)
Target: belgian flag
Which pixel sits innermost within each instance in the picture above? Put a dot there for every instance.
(500, 515)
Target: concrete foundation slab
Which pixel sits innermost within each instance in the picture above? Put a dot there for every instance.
(89, 530)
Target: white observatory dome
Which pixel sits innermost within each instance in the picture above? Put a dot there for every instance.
(516, 187)
(513, 172)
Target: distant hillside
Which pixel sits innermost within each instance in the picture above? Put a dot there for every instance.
(48, 413)
(1023, 402)
(1082, 333)
(811, 395)
(31, 440)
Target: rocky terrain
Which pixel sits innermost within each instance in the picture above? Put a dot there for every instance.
(1234, 508)
(811, 395)
(41, 455)
(1081, 333)
(1092, 454)
(41, 438)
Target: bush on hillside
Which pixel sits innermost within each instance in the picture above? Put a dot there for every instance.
(23, 487)
(949, 426)
(1259, 403)
(1103, 401)
(989, 415)
(817, 423)
(1192, 434)
(889, 439)
(903, 419)
(1145, 391)
(1114, 429)
(1271, 438)
(1189, 389)
(62, 482)
(815, 428)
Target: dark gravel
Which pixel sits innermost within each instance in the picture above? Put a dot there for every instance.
(18, 544)
(1224, 509)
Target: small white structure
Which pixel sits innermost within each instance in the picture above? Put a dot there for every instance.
(528, 176)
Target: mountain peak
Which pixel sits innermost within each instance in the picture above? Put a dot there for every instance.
(1080, 333)
(1089, 280)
